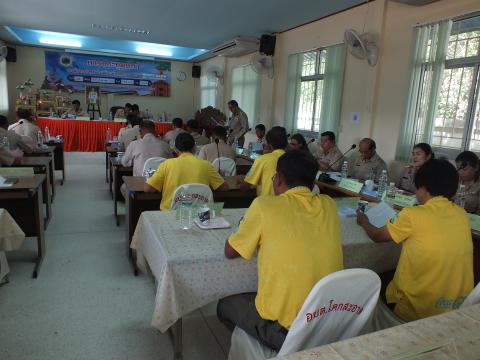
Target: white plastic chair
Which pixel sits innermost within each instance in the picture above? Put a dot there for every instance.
(152, 163)
(383, 318)
(225, 166)
(198, 193)
(337, 308)
(473, 298)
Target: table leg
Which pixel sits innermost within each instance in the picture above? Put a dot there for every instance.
(110, 178)
(47, 199)
(176, 331)
(129, 216)
(51, 170)
(115, 193)
(40, 234)
(106, 166)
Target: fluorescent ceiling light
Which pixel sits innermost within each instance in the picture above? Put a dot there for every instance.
(153, 51)
(60, 42)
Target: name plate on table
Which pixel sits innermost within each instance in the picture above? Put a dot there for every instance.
(17, 171)
(403, 200)
(82, 118)
(474, 221)
(351, 185)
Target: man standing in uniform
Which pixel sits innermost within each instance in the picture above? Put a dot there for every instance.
(238, 123)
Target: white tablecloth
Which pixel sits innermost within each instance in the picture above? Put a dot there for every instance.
(455, 333)
(191, 270)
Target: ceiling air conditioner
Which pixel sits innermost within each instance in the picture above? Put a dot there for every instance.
(415, 2)
(239, 46)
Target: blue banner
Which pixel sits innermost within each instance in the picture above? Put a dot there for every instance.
(71, 72)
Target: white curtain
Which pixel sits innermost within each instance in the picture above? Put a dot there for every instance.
(294, 72)
(3, 88)
(208, 92)
(245, 86)
(427, 64)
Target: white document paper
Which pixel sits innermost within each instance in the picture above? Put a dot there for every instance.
(2, 182)
(378, 215)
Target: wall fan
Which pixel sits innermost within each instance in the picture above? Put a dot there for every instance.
(262, 65)
(215, 73)
(361, 46)
(3, 51)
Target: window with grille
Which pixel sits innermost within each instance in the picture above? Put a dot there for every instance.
(3, 88)
(208, 92)
(456, 122)
(311, 90)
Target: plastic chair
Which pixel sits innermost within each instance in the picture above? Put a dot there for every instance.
(383, 318)
(152, 164)
(473, 298)
(227, 166)
(198, 193)
(337, 308)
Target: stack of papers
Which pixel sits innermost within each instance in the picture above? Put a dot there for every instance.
(379, 215)
(5, 182)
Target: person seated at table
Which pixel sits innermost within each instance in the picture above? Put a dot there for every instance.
(171, 135)
(218, 148)
(123, 112)
(329, 157)
(74, 111)
(15, 141)
(130, 132)
(469, 172)
(146, 147)
(421, 153)
(298, 142)
(296, 236)
(192, 129)
(263, 168)
(435, 270)
(367, 164)
(184, 169)
(25, 125)
(136, 110)
(257, 139)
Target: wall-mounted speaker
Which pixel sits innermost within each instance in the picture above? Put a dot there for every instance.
(196, 71)
(11, 54)
(267, 44)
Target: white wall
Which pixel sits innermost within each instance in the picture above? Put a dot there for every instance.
(31, 64)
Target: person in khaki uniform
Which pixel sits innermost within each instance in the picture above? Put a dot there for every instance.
(421, 153)
(367, 165)
(213, 151)
(329, 157)
(238, 123)
(192, 129)
(171, 135)
(14, 139)
(24, 125)
(469, 172)
(130, 132)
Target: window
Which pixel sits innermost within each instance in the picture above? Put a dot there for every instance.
(3, 88)
(245, 90)
(208, 92)
(444, 108)
(311, 90)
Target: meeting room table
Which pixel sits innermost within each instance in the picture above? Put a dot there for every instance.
(191, 270)
(118, 172)
(47, 151)
(58, 156)
(87, 135)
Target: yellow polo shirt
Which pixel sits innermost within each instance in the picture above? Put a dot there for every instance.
(435, 270)
(262, 172)
(185, 169)
(297, 236)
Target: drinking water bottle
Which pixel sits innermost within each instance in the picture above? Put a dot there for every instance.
(382, 184)
(391, 192)
(109, 135)
(47, 133)
(460, 197)
(186, 210)
(39, 138)
(345, 169)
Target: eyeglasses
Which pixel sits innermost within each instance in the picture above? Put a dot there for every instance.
(274, 177)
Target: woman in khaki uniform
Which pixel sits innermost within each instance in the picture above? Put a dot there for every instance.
(469, 172)
(421, 153)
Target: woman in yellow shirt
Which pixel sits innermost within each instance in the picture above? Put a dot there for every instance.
(469, 172)
(421, 153)
(435, 270)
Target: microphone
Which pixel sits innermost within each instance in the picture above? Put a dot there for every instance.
(311, 141)
(17, 124)
(218, 153)
(324, 176)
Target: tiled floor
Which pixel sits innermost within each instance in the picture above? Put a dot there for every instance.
(86, 304)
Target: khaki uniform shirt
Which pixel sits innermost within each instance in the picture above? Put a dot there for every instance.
(406, 180)
(200, 139)
(6, 159)
(143, 149)
(15, 140)
(209, 152)
(25, 128)
(472, 197)
(127, 134)
(171, 135)
(362, 169)
(238, 125)
(334, 157)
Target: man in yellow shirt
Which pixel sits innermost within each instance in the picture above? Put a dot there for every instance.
(435, 270)
(264, 167)
(185, 169)
(296, 235)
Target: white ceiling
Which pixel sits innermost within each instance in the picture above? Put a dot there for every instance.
(191, 23)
